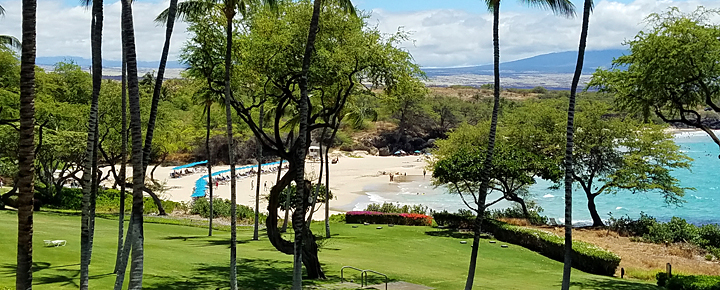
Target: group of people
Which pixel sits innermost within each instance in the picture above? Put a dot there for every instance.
(187, 171)
(225, 178)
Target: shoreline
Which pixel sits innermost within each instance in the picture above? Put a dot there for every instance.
(348, 178)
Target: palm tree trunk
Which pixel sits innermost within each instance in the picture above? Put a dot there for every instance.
(136, 266)
(156, 99)
(327, 179)
(303, 132)
(26, 145)
(491, 146)
(567, 262)
(89, 163)
(158, 84)
(229, 15)
(123, 171)
(287, 202)
(209, 167)
(259, 173)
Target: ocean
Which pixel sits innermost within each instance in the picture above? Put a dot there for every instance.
(700, 205)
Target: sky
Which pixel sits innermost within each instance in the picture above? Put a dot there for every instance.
(445, 33)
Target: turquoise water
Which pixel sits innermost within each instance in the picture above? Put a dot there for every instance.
(701, 205)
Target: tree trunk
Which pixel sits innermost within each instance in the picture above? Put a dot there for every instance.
(259, 173)
(287, 205)
(229, 15)
(310, 249)
(209, 167)
(123, 171)
(597, 221)
(157, 89)
(491, 141)
(301, 147)
(136, 266)
(26, 145)
(327, 179)
(567, 261)
(475, 247)
(88, 178)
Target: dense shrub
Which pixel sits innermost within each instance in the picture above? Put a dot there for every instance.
(586, 257)
(108, 200)
(221, 208)
(460, 220)
(626, 226)
(388, 207)
(708, 237)
(373, 217)
(674, 231)
(688, 282)
(516, 212)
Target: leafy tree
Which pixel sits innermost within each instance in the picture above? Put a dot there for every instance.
(26, 147)
(264, 75)
(564, 7)
(613, 154)
(567, 261)
(671, 69)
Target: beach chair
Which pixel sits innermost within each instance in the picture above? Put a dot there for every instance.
(55, 243)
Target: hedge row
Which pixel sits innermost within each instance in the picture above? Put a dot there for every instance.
(688, 282)
(454, 220)
(586, 257)
(373, 217)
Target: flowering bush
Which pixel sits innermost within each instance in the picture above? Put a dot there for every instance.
(374, 217)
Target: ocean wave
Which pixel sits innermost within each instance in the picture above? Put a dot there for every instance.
(548, 196)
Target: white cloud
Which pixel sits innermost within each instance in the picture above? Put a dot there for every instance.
(440, 37)
(65, 31)
(456, 38)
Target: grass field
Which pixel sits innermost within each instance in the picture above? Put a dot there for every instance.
(182, 257)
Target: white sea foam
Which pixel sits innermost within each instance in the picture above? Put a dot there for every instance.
(548, 196)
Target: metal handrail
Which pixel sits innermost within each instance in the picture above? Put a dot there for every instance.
(362, 272)
(371, 271)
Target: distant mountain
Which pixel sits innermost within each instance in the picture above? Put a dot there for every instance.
(84, 62)
(551, 63)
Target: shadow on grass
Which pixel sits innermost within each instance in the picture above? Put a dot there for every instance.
(205, 240)
(258, 274)
(59, 276)
(612, 284)
(449, 234)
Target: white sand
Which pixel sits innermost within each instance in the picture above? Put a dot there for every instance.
(347, 179)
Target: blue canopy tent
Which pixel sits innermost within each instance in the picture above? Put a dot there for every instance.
(201, 183)
(189, 165)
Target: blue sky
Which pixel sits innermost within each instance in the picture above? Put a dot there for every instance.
(442, 33)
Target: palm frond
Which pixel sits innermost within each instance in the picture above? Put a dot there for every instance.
(347, 6)
(10, 42)
(2, 11)
(560, 7)
(186, 10)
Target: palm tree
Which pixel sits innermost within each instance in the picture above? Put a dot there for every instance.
(567, 263)
(563, 7)
(170, 24)
(136, 219)
(89, 170)
(303, 110)
(26, 144)
(123, 170)
(207, 98)
(259, 173)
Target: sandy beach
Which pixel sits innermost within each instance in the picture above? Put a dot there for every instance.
(347, 179)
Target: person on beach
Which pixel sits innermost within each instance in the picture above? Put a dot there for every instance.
(424, 172)
(391, 176)
(252, 184)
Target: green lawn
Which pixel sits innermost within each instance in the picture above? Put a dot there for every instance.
(182, 257)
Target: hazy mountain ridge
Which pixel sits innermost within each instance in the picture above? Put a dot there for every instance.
(552, 70)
